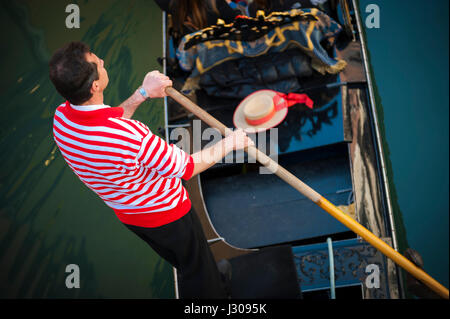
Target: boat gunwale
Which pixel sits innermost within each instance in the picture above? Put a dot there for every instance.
(377, 140)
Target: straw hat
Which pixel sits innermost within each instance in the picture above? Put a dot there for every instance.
(265, 109)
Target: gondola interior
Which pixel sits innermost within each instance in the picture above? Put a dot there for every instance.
(265, 224)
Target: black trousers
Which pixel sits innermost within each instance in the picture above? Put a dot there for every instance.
(183, 244)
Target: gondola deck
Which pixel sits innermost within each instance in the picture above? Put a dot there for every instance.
(261, 210)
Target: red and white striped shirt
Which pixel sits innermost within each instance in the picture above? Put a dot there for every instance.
(135, 172)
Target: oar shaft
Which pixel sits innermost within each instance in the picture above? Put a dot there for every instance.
(315, 197)
(284, 174)
(198, 111)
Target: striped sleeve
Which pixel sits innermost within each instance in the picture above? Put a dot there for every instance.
(167, 159)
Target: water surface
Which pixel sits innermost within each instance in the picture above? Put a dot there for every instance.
(48, 218)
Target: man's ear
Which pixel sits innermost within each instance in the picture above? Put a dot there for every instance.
(95, 87)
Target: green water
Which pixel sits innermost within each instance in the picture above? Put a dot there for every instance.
(48, 218)
(409, 57)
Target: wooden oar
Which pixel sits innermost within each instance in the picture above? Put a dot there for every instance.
(315, 197)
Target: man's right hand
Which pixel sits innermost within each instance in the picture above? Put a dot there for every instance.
(211, 155)
(237, 140)
(155, 84)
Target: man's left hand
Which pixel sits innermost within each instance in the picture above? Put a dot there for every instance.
(155, 84)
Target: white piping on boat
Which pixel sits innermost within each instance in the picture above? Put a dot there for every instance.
(166, 123)
(166, 120)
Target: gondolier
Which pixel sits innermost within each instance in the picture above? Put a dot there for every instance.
(135, 172)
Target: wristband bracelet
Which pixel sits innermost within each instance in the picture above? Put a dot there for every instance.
(143, 93)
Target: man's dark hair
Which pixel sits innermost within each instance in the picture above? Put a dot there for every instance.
(71, 74)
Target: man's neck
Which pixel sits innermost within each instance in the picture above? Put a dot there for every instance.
(96, 99)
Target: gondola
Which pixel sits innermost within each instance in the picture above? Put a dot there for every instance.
(279, 244)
